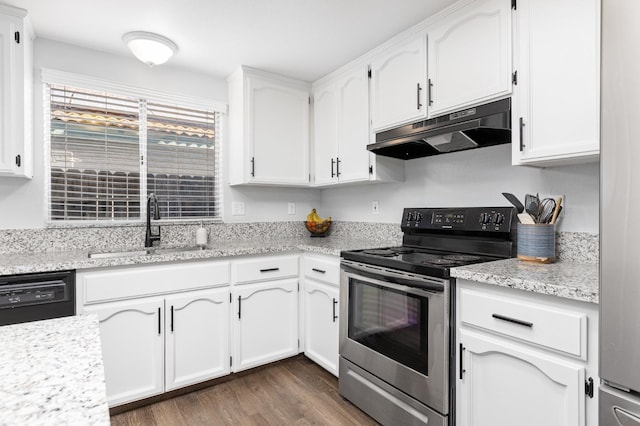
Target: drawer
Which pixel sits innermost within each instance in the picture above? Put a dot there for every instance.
(264, 268)
(563, 330)
(139, 281)
(322, 269)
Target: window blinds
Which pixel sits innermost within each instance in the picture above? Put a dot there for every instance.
(108, 152)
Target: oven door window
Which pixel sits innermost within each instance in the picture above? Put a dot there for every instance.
(390, 322)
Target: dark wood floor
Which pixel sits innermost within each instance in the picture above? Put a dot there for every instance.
(291, 392)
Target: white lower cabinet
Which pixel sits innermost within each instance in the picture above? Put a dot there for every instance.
(132, 335)
(321, 324)
(266, 322)
(157, 342)
(524, 358)
(504, 384)
(197, 337)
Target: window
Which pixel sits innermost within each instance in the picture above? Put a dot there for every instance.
(109, 151)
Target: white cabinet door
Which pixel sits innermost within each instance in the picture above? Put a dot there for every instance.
(470, 56)
(279, 132)
(505, 384)
(266, 322)
(321, 324)
(398, 84)
(197, 342)
(325, 143)
(132, 334)
(353, 126)
(16, 77)
(556, 113)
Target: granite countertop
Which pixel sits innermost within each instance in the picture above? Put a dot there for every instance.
(52, 373)
(563, 279)
(23, 263)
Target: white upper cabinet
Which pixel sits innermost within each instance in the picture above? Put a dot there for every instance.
(16, 81)
(268, 129)
(556, 113)
(399, 84)
(470, 56)
(341, 132)
(325, 127)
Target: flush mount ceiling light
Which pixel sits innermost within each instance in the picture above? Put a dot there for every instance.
(152, 49)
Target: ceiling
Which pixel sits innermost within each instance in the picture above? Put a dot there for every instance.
(304, 39)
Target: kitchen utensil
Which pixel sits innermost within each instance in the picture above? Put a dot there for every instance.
(556, 211)
(547, 208)
(532, 205)
(526, 219)
(514, 200)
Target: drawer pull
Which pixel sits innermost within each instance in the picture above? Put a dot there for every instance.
(269, 270)
(513, 320)
(318, 270)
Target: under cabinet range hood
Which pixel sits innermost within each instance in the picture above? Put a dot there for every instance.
(483, 125)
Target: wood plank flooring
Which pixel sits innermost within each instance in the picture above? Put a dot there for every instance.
(291, 392)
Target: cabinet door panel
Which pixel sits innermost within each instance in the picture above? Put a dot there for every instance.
(353, 126)
(132, 335)
(325, 127)
(470, 56)
(279, 132)
(197, 343)
(558, 91)
(321, 324)
(266, 323)
(398, 84)
(505, 384)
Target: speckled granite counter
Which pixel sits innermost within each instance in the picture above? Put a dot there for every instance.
(564, 279)
(22, 263)
(52, 373)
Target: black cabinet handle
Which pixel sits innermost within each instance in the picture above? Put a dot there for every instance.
(335, 302)
(253, 167)
(172, 318)
(338, 166)
(239, 307)
(513, 320)
(418, 96)
(269, 270)
(429, 98)
(18, 160)
(318, 270)
(521, 134)
(462, 370)
(159, 322)
(332, 163)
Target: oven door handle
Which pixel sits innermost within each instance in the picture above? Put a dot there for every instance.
(407, 282)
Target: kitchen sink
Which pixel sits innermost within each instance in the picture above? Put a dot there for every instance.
(143, 252)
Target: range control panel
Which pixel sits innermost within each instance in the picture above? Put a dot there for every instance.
(484, 219)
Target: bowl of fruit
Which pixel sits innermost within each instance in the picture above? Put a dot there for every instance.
(316, 225)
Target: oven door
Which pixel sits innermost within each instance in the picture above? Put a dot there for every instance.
(397, 328)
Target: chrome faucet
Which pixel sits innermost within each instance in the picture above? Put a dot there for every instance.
(150, 236)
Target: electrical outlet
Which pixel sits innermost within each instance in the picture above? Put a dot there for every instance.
(237, 208)
(291, 208)
(375, 207)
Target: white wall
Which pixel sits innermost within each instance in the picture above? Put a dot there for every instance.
(471, 178)
(22, 202)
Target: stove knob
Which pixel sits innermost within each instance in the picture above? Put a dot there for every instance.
(498, 218)
(485, 218)
(410, 216)
(418, 217)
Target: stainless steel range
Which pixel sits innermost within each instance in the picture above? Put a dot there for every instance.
(396, 342)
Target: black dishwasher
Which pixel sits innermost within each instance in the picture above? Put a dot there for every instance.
(32, 297)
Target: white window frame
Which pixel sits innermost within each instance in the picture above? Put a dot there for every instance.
(62, 78)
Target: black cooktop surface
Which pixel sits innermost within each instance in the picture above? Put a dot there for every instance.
(422, 261)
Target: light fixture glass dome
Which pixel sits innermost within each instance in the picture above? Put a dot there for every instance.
(152, 49)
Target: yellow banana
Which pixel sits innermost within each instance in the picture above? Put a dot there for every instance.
(311, 216)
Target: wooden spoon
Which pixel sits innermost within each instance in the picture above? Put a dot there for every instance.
(556, 211)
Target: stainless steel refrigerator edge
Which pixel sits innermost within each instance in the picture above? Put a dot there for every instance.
(619, 226)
